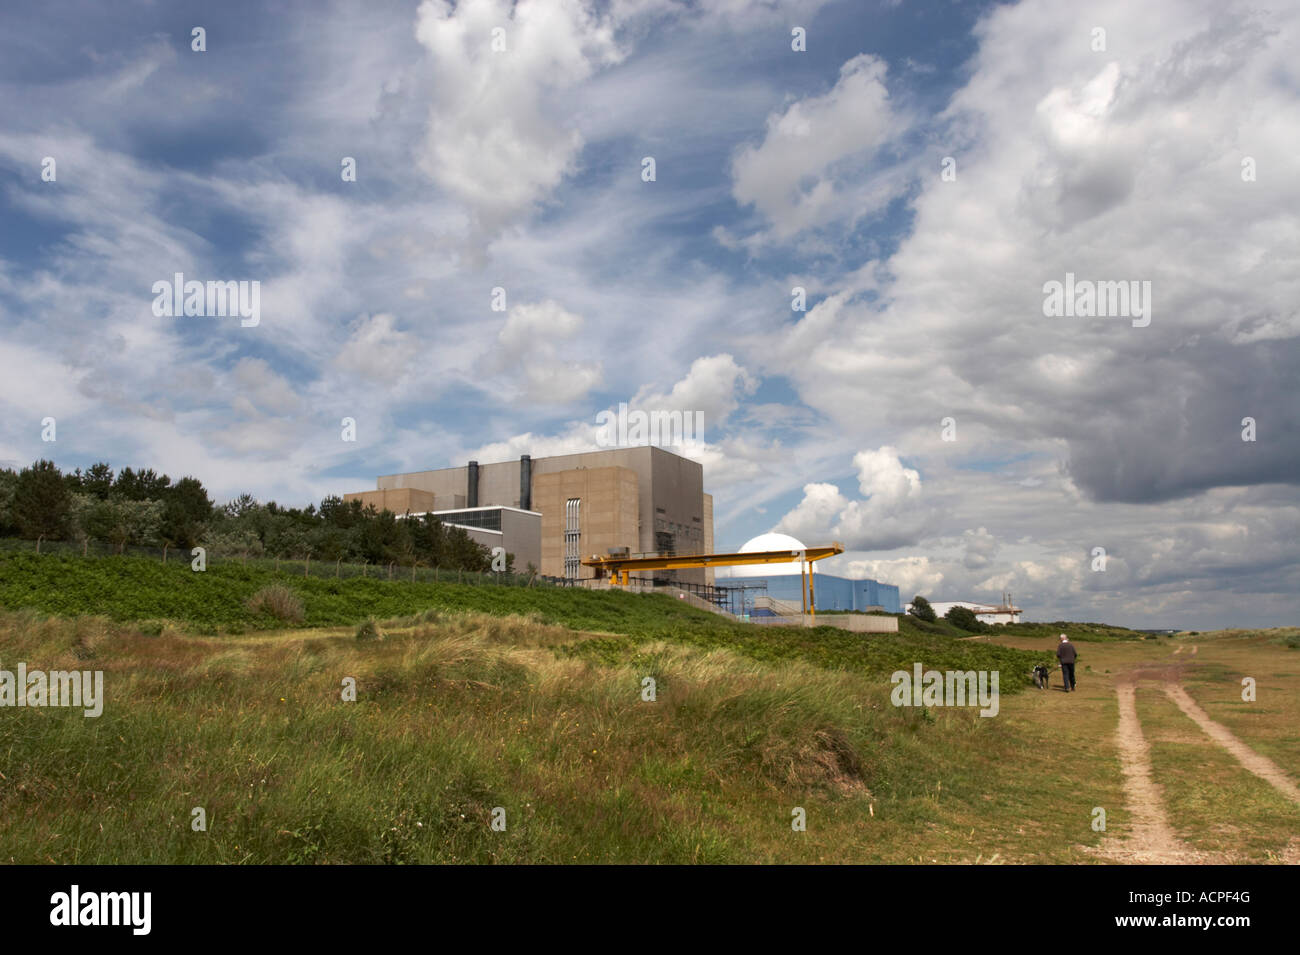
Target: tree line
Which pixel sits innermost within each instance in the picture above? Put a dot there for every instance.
(144, 508)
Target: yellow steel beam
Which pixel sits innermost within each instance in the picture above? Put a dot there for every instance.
(620, 566)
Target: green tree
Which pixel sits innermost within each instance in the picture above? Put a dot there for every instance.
(8, 484)
(41, 502)
(964, 618)
(922, 610)
(146, 485)
(233, 542)
(96, 480)
(187, 511)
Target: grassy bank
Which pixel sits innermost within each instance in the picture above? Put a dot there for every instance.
(457, 714)
(154, 595)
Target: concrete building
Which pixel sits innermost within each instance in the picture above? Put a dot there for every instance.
(644, 499)
(830, 592)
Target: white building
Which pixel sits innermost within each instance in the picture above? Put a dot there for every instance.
(1005, 612)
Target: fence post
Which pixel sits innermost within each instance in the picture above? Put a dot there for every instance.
(338, 565)
(306, 570)
(166, 544)
(38, 543)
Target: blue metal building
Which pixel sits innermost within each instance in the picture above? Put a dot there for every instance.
(837, 593)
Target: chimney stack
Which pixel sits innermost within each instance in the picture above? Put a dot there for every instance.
(526, 482)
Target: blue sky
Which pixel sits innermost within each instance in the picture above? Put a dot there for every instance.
(521, 169)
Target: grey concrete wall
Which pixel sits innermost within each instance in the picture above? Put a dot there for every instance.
(523, 538)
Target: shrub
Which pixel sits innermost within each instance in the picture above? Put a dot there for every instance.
(922, 610)
(369, 631)
(279, 602)
(965, 618)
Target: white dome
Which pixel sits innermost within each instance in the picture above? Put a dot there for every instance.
(765, 542)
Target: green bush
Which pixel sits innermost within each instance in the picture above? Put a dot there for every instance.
(369, 630)
(922, 610)
(965, 618)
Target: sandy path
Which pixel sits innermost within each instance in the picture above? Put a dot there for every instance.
(1150, 838)
(1260, 765)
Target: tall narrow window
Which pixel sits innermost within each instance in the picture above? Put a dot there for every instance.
(572, 536)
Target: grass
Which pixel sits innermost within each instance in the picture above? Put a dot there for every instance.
(531, 701)
(221, 601)
(1271, 722)
(1213, 803)
(459, 714)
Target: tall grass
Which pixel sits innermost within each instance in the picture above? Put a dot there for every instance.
(456, 715)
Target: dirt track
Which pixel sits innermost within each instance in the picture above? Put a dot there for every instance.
(1261, 766)
(1151, 839)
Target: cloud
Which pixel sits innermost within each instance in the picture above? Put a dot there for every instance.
(912, 575)
(794, 176)
(496, 138)
(981, 548)
(377, 350)
(714, 385)
(891, 514)
(527, 347)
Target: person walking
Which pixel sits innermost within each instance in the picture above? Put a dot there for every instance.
(1066, 654)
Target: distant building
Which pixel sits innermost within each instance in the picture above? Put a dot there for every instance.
(555, 511)
(829, 591)
(1004, 612)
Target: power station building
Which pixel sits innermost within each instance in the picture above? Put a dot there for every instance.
(830, 592)
(552, 512)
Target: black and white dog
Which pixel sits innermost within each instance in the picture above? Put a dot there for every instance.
(1041, 675)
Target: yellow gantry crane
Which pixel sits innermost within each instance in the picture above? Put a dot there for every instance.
(619, 567)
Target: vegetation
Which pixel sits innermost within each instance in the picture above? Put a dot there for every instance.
(402, 718)
(1086, 632)
(922, 610)
(964, 618)
(233, 599)
(277, 601)
(145, 509)
(457, 714)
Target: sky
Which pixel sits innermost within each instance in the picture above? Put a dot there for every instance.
(502, 267)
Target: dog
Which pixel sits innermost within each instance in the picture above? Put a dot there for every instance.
(1041, 675)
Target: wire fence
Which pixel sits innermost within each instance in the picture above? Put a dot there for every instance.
(301, 567)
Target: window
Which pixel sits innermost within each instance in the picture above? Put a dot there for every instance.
(486, 518)
(572, 537)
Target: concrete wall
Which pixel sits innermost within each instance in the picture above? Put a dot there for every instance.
(608, 516)
(856, 622)
(522, 532)
(399, 501)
